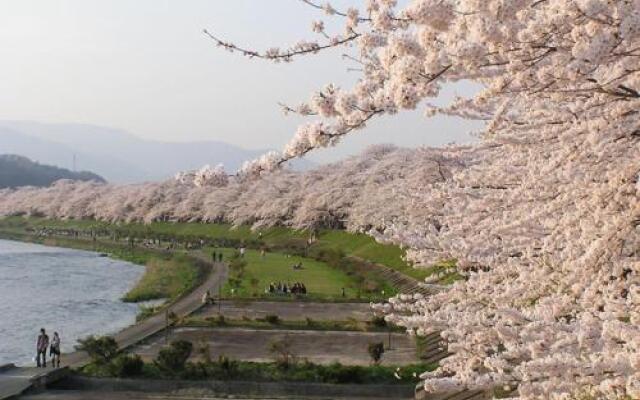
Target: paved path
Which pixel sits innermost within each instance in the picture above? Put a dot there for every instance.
(289, 311)
(16, 380)
(156, 323)
(319, 347)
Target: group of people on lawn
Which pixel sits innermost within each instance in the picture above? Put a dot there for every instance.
(284, 288)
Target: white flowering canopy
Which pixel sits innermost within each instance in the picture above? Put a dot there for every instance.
(543, 215)
(548, 205)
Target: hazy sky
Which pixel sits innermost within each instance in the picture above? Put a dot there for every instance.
(146, 67)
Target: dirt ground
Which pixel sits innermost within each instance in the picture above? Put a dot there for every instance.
(290, 311)
(321, 347)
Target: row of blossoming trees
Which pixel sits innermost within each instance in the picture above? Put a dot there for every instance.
(546, 206)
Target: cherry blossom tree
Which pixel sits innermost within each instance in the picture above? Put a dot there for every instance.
(545, 218)
(542, 216)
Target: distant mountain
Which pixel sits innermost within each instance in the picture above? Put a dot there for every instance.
(18, 171)
(115, 154)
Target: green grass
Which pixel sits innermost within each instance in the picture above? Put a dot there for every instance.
(348, 244)
(166, 276)
(166, 279)
(321, 280)
(228, 369)
(354, 244)
(365, 247)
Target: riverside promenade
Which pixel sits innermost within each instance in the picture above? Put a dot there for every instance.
(16, 380)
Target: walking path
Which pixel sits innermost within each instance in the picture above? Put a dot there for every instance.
(318, 347)
(288, 311)
(15, 380)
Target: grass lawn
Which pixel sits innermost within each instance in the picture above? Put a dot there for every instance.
(365, 247)
(350, 244)
(166, 278)
(321, 280)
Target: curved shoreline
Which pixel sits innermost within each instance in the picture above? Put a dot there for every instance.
(74, 292)
(182, 306)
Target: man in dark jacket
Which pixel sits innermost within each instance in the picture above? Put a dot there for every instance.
(41, 347)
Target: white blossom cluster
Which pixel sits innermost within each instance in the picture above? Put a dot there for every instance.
(544, 220)
(543, 215)
(205, 176)
(357, 193)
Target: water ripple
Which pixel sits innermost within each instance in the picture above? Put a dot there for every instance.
(75, 293)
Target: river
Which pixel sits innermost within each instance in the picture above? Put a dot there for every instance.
(76, 293)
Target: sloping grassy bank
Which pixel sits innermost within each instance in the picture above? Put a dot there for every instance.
(167, 275)
(342, 243)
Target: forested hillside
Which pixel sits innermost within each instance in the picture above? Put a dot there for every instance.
(16, 171)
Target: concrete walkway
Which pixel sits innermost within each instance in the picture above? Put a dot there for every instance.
(289, 311)
(14, 380)
(318, 347)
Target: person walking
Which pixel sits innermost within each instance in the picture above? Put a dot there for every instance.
(54, 350)
(41, 348)
(207, 299)
(214, 256)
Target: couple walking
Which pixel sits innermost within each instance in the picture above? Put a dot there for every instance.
(54, 349)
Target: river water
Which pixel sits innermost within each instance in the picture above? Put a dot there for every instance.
(75, 293)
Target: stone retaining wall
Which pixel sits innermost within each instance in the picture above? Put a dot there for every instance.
(238, 387)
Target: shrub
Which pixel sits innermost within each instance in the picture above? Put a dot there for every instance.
(337, 373)
(145, 312)
(281, 348)
(228, 367)
(272, 319)
(101, 349)
(127, 365)
(376, 350)
(173, 358)
(379, 322)
(204, 350)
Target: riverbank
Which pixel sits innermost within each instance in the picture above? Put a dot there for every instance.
(74, 293)
(168, 275)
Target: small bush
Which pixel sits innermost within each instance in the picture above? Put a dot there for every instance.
(101, 349)
(204, 350)
(376, 350)
(281, 349)
(272, 319)
(145, 312)
(172, 359)
(337, 373)
(228, 366)
(127, 365)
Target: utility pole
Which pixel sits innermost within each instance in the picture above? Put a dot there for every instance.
(166, 326)
(74, 162)
(219, 297)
